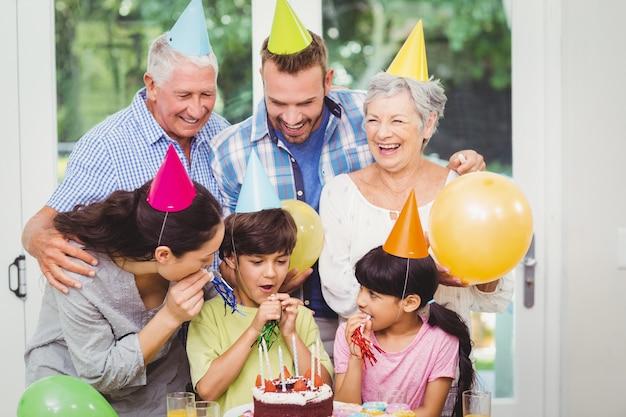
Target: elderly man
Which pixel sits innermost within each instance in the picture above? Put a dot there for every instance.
(126, 149)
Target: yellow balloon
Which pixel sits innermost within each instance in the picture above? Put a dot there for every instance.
(480, 227)
(310, 238)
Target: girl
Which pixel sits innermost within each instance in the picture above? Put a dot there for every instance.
(422, 343)
(118, 333)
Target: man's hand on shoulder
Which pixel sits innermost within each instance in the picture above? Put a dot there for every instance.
(53, 251)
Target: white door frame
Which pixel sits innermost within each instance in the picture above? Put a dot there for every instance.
(536, 92)
(28, 169)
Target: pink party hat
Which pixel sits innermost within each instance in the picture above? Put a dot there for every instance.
(171, 189)
(406, 239)
(257, 192)
(189, 34)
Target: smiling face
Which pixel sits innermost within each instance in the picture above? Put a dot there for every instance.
(394, 131)
(295, 102)
(384, 309)
(183, 104)
(176, 268)
(258, 276)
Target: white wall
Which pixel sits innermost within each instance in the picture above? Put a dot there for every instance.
(594, 206)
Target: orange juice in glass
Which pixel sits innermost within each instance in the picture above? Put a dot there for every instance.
(177, 403)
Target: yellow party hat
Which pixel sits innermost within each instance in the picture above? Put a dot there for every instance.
(288, 34)
(406, 239)
(411, 59)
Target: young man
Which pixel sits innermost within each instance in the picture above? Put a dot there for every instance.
(304, 132)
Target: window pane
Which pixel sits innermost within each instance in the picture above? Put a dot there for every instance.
(102, 47)
(468, 43)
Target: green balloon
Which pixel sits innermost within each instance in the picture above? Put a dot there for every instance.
(62, 395)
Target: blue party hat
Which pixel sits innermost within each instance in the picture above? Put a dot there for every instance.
(257, 192)
(189, 34)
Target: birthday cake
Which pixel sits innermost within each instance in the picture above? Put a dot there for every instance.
(295, 396)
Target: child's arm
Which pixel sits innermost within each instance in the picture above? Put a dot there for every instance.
(288, 330)
(348, 385)
(225, 368)
(434, 398)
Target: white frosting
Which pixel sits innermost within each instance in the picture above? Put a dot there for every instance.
(295, 397)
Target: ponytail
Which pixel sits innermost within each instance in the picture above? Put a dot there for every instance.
(453, 324)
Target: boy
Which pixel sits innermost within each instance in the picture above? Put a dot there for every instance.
(222, 345)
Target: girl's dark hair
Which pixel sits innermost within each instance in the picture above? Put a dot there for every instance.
(259, 233)
(126, 225)
(385, 274)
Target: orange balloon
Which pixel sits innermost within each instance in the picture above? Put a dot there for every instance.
(480, 227)
(310, 237)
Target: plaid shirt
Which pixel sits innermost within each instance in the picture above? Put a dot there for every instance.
(124, 151)
(345, 150)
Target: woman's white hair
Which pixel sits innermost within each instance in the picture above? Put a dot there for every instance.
(427, 96)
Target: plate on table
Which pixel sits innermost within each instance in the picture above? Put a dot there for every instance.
(240, 409)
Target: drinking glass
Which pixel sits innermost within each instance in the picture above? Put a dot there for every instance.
(476, 403)
(203, 409)
(177, 403)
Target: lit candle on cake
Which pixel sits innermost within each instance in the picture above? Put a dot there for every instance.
(295, 354)
(267, 359)
(282, 368)
(312, 366)
(261, 364)
(319, 357)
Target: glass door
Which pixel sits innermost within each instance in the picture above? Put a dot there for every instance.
(469, 47)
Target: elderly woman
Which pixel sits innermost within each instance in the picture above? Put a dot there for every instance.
(359, 209)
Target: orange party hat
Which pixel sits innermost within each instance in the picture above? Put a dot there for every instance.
(411, 59)
(406, 239)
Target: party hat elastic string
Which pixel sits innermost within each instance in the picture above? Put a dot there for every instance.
(162, 228)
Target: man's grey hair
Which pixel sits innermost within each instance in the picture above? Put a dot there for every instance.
(163, 60)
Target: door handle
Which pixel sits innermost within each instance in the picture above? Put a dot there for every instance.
(19, 264)
(529, 263)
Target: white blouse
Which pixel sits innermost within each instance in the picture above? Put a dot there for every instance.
(353, 226)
